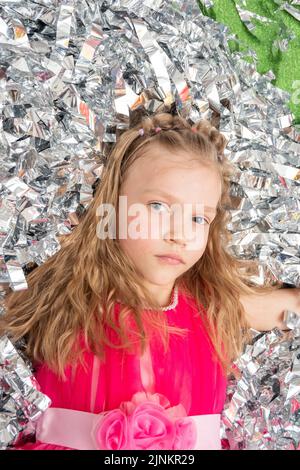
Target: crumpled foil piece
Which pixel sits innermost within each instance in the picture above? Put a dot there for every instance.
(247, 17)
(71, 73)
(21, 403)
(262, 409)
(291, 8)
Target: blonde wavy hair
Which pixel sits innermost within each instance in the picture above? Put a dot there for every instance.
(75, 290)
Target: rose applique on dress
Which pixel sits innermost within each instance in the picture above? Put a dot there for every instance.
(145, 422)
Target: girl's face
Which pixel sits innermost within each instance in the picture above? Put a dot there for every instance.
(155, 182)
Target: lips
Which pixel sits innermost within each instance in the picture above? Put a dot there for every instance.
(172, 256)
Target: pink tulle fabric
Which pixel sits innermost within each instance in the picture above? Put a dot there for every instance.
(187, 374)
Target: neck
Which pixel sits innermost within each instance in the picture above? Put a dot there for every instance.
(163, 294)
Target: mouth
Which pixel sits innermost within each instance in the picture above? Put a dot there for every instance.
(170, 259)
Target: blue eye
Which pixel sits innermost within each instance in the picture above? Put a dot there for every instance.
(162, 205)
(199, 217)
(159, 203)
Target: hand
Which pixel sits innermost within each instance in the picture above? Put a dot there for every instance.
(266, 311)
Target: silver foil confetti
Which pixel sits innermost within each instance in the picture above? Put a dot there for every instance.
(246, 17)
(262, 409)
(70, 73)
(291, 9)
(21, 403)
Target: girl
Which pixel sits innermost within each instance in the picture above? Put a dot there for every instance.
(132, 346)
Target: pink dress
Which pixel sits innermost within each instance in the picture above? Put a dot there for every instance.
(187, 373)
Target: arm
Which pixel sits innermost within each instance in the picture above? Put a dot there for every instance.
(265, 311)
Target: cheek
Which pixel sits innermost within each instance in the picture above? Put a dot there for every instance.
(142, 227)
(198, 240)
(138, 241)
(137, 249)
(192, 256)
(135, 238)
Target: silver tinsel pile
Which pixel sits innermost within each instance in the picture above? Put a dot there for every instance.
(70, 72)
(21, 403)
(262, 409)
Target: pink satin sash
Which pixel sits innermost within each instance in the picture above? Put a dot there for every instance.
(76, 429)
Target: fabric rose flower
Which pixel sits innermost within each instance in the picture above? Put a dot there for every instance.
(146, 422)
(150, 428)
(111, 430)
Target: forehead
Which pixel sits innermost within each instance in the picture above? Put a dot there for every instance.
(182, 175)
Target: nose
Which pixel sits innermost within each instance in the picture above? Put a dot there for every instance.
(181, 228)
(175, 233)
(177, 241)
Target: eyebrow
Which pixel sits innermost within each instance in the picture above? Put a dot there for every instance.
(164, 193)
